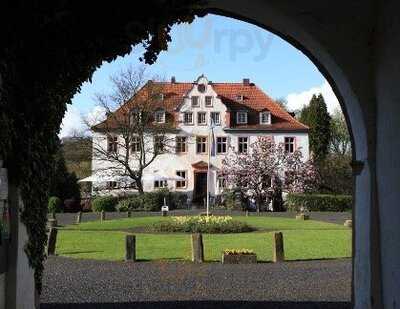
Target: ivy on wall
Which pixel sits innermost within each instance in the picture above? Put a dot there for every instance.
(49, 49)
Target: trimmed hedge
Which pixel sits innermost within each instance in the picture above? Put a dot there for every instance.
(318, 202)
(104, 203)
(200, 224)
(152, 201)
(131, 203)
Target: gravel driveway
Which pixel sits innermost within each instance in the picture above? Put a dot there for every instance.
(70, 283)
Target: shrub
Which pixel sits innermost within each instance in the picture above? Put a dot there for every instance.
(54, 204)
(131, 203)
(201, 224)
(104, 203)
(227, 200)
(318, 202)
(177, 200)
(152, 201)
(72, 205)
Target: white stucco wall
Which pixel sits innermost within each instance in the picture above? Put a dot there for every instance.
(172, 162)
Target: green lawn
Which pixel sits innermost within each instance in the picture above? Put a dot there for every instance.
(302, 240)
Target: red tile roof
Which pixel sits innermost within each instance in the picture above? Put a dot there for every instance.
(254, 101)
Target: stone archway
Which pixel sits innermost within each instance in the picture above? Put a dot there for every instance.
(272, 18)
(356, 47)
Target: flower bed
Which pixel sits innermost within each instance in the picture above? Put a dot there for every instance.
(239, 256)
(201, 224)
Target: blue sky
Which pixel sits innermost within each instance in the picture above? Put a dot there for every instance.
(225, 50)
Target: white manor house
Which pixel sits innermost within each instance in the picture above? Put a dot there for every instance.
(241, 112)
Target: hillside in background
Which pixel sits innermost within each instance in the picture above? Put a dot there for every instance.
(78, 155)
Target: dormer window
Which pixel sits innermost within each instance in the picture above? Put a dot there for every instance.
(161, 96)
(195, 101)
(240, 97)
(159, 116)
(135, 117)
(265, 118)
(241, 117)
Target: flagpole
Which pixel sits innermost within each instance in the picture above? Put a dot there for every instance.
(208, 172)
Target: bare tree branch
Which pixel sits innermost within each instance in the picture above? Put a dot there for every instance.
(130, 139)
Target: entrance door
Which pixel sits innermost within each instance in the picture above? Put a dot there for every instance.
(200, 188)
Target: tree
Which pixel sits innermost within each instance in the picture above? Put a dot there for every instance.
(131, 139)
(260, 171)
(340, 137)
(316, 116)
(282, 102)
(336, 175)
(62, 183)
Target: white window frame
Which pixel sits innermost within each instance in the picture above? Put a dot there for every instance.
(135, 141)
(204, 114)
(268, 115)
(178, 183)
(157, 114)
(219, 118)
(112, 144)
(180, 142)
(238, 114)
(293, 143)
(219, 141)
(193, 98)
(112, 185)
(135, 116)
(159, 143)
(191, 117)
(159, 184)
(243, 143)
(211, 101)
(202, 143)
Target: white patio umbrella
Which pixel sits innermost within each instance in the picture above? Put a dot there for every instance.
(160, 176)
(105, 177)
(154, 176)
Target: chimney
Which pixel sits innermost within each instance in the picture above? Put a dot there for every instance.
(173, 80)
(246, 81)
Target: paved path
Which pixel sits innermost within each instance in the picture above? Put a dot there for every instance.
(72, 283)
(332, 217)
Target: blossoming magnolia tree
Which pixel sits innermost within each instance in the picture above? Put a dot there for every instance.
(259, 172)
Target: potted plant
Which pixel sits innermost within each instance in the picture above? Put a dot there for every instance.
(238, 256)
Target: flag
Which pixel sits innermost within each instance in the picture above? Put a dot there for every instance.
(212, 136)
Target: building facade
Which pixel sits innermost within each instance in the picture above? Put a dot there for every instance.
(241, 113)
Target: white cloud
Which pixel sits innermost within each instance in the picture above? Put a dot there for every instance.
(74, 122)
(96, 115)
(298, 100)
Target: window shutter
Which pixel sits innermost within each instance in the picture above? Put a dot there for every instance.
(295, 143)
